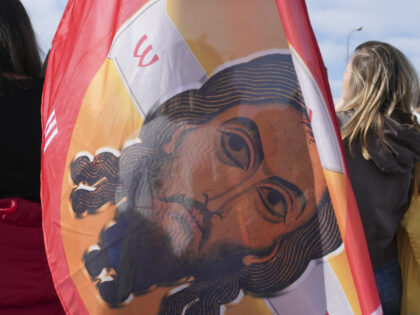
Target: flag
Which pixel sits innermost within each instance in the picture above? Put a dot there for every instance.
(192, 164)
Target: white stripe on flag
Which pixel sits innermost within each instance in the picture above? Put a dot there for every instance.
(322, 126)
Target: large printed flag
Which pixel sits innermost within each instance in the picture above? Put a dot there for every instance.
(192, 164)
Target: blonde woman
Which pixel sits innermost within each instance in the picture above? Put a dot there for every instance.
(382, 143)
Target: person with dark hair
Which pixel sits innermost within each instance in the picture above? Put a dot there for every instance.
(382, 144)
(25, 280)
(20, 103)
(221, 193)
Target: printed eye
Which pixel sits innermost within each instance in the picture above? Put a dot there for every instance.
(274, 202)
(235, 150)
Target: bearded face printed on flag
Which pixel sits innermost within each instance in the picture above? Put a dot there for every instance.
(210, 157)
(197, 179)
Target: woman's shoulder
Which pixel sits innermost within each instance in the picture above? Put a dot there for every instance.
(20, 96)
(25, 83)
(17, 89)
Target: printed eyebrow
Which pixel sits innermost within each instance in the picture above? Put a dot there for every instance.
(250, 128)
(295, 190)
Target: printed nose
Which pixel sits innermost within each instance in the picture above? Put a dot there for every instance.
(218, 199)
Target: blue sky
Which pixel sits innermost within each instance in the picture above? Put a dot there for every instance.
(393, 21)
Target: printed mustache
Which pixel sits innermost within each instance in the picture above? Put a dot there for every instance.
(195, 209)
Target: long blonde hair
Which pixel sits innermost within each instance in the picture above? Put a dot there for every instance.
(383, 83)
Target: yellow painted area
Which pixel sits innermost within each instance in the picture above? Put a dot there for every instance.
(248, 305)
(342, 271)
(337, 186)
(227, 30)
(108, 116)
(96, 128)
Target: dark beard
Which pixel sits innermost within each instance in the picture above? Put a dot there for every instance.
(147, 259)
(147, 254)
(141, 253)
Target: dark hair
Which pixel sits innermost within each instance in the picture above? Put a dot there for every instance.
(19, 51)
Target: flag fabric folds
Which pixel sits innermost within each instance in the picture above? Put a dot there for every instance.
(192, 164)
